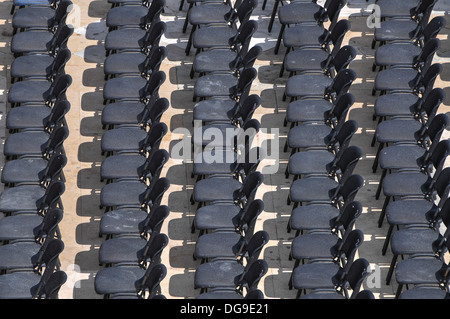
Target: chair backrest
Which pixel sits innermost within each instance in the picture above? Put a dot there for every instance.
(54, 168)
(247, 222)
(57, 114)
(54, 284)
(365, 294)
(341, 83)
(350, 246)
(434, 130)
(338, 114)
(153, 61)
(337, 35)
(60, 38)
(438, 157)
(347, 162)
(154, 164)
(425, 58)
(343, 57)
(154, 195)
(255, 245)
(423, 10)
(49, 259)
(431, 104)
(245, 81)
(247, 133)
(349, 189)
(154, 137)
(245, 10)
(153, 111)
(442, 184)
(154, 11)
(152, 279)
(153, 36)
(254, 294)
(58, 64)
(55, 141)
(247, 60)
(153, 84)
(333, 11)
(52, 195)
(242, 39)
(253, 275)
(154, 220)
(342, 137)
(154, 248)
(426, 80)
(61, 12)
(49, 223)
(358, 271)
(249, 187)
(245, 111)
(59, 87)
(432, 29)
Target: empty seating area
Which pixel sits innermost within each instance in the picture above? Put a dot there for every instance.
(225, 149)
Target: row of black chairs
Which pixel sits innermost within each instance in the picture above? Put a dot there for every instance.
(134, 189)
(414, 179)
(225, 166)
(33, 173)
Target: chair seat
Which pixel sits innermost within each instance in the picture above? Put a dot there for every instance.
(391, 30)
(125, 88)
(22, 226)
(122, 113)
(404, 184)
(298, 13)
(305, 60)
(121, 250)
(19, 285)
(218, 244)
(302, 35)
(216, 188)
(27, 117)
(315, 275)
(214, 36)
(214, 60)
(214, 109)
(311, 135)
(122, 166)
(396, 79)
(391, 8)
(397, 130)
(216, 135)
(424, 293)
(24, 170)
(208, 13)
(307, 85)
(31, 65)
(123, 193)
(395, 104)
(412, 241)
(315, 245)
(29, 91)
(122, 221)
(310, 162)
(308, 110)
(32, 2)
(215, 85)
(125, 63)
(121, 279)
(31, 41)
(323, 295)
(21, 198)
(312, 217)
(217, 216)
(419, 271)
(216, 161)
(312, 189)
(33, 17)
(19, 255)
(396, 53)
(404, 212)
(123, 39)
(126, 16)
(401, 156)
(220, 295)
(218, 274)
(123, 139)
(23, 143)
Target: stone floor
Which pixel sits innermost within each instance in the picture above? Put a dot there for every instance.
(79, 226)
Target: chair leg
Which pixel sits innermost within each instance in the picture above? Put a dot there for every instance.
(386, 241)
(375, 162)
(280, 36)
(374, 43)
(12, 9)
(189, 44)
(380, 184)
(186, 21)
(181, 5)
(399, 291)
(272, 17)
(383, 211)
(391, 269)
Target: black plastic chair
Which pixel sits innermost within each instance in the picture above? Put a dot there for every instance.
(35, 144)
(132, 194)
(38, 41)
(34, 171)
(302, 34)
(138, 16)
(39, 91)
(43, 3)
(46, 18)
(128, 282)
(396, 9)
(135, 39)
(133, 140)
(53, 285)
(134, 63)
(132, 221)
(226, 273)
(32, 199)
(134, 88)
(327, 275)
(30, 284)
(405, 52)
